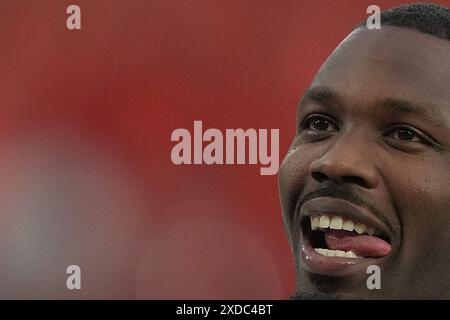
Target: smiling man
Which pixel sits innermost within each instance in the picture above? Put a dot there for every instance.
(366, 180)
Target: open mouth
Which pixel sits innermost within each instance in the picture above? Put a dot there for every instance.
(337, 235)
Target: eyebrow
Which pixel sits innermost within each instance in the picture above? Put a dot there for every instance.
(327, 96)
(403, 106)
(321, 95)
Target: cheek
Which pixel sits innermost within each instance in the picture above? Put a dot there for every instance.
(421, 186)
(292, 176)
(421, 192)
(428, 204)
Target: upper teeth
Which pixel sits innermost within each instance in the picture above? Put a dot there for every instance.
(338, 223)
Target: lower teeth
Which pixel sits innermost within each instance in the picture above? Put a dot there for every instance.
(336, 253)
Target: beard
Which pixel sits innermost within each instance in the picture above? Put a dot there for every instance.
(314, 296)
(326, 288)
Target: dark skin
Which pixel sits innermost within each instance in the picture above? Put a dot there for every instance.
(375, 126)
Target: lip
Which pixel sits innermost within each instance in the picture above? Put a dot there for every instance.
(338, 266)
(333, 266)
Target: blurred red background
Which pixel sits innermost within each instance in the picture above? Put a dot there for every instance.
(86, 117)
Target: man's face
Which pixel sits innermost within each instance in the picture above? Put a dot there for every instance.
(371, 153)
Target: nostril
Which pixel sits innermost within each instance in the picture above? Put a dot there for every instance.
(322, 177)
(319, 176)
(355, 180)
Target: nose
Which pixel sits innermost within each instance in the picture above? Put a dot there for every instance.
(348, 160)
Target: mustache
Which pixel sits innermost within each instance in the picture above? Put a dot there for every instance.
(343, 192)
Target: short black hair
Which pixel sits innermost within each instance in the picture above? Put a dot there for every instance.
(428, 18)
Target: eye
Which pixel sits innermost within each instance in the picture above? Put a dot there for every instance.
(410, 139)
(318, 123)
(405, 134)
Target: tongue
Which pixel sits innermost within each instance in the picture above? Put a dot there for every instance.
(361, 245)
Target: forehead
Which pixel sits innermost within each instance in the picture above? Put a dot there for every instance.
(392, 62)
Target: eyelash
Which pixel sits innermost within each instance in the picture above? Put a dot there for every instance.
(416, 133)
(418, 136)
(307, 120)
